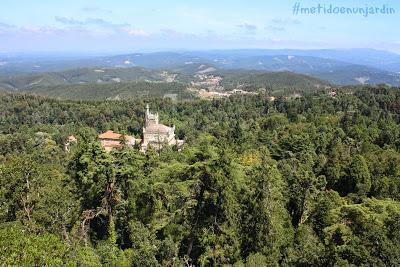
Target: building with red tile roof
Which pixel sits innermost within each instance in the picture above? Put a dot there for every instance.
(110, 140)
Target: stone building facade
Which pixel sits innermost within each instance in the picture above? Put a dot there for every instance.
(156, 134)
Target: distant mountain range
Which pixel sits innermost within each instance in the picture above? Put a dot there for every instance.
(341, 67)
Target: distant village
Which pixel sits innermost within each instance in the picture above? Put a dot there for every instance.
(155, 134)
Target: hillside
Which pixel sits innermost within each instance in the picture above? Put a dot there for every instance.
(340, 66)
(182, 82)
(337, 72)
(357, 74)
(271, 80)
(380, 59)
(115, 91)
(83, 76)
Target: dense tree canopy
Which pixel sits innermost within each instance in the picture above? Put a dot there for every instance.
(310, 181)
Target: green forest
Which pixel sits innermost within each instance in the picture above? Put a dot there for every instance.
(307, 181)
(131, 83)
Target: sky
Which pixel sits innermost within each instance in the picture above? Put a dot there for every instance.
(119, 26)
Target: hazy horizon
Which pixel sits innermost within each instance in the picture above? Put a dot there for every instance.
(90, 54)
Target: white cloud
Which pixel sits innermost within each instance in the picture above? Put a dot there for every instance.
(40, 30)
(90, 21)
(137, 32)
(69, 21)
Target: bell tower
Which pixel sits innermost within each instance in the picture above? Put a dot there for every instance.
(150, 118)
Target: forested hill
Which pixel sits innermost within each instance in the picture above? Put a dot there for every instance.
(311, 181)
(253, 80)
(128, 83)
(338, 66)
(116, 91)
(80, 76)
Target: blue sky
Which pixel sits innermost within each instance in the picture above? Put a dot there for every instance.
(115, 26)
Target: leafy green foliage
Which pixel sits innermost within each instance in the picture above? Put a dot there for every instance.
(311, 181)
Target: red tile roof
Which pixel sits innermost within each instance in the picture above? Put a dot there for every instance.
(111, 135)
